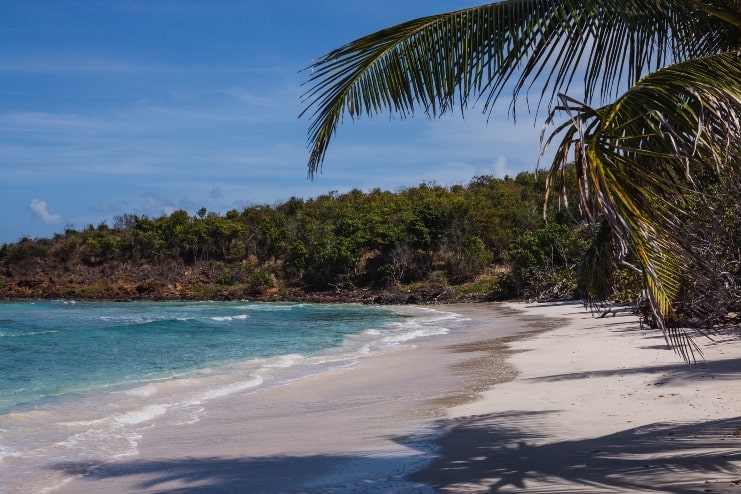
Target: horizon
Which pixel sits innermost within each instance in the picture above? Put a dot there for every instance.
(150, 107)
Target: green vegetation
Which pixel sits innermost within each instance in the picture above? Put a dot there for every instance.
(486, 239)
(643, 166)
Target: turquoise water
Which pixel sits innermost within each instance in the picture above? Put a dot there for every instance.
(50, 349)
(88, 380)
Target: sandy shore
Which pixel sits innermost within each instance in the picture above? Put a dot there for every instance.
(599, 406)
(596, 405)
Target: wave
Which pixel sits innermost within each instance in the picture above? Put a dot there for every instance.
(6, 452)
(284, 361)
(122, 321)
(143, 391)
(413, 334)
(239, 317)
(31, 333)
(143, 414)
(271, 307)
(422, 323)
(227, 390)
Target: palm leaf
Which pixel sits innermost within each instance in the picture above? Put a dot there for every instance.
(642, 153)
(438, 62)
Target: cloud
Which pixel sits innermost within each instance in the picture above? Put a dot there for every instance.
(157, 204)
(40, 209)
(501, 168)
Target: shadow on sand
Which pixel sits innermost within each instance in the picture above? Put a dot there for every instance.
(487, 453)
(681, 373)
(222, 475)
(505, 452)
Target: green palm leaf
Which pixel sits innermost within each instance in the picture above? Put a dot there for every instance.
(638, 156)
(437, 62)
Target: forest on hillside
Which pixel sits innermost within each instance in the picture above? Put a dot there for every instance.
(484, 240)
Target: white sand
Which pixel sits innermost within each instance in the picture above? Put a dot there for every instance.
(598, 406)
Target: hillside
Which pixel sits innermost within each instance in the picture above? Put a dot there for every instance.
(486, 239)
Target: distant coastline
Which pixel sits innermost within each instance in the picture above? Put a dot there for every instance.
(174, 281)
(153, 290)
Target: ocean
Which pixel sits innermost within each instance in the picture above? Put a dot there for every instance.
(82, 380)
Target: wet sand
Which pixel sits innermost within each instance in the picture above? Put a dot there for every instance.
(595, 405)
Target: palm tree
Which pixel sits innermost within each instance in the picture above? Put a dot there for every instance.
(659, 116)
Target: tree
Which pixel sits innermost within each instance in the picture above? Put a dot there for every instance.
(671, 68)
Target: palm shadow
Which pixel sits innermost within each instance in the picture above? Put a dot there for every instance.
(255, 475)
(487, 453)
(719, 370)
(491, 453)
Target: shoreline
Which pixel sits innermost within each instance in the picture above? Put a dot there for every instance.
(594, 405)
(325, 431)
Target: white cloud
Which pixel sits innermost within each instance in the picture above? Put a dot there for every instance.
(40, 209)
(500, 168)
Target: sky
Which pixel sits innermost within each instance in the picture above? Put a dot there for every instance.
(112, 107)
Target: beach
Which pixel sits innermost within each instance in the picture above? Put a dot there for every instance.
(529, 398)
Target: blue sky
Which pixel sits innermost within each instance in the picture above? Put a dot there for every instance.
(148, 106)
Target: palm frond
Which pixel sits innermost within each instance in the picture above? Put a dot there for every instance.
(727, 10)
(439, 62)
(643, 153)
